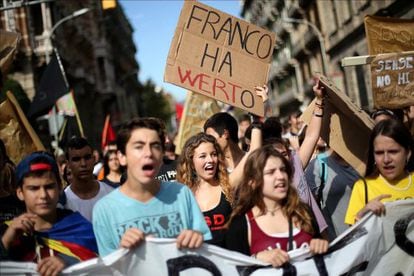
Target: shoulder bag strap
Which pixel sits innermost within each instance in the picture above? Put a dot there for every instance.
(290, 241)
(322, 186)
(366, 190)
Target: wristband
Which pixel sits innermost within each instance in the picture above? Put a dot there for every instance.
(317, 115)
(319, 104)
(254, 117)
(257, 125)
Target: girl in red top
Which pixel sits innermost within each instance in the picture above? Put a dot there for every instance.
(268, 218)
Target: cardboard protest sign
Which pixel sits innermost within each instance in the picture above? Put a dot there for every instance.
(392, 78)
(346, 127)
(220, 56)
(197, 110)
(8, 47)
(16, 132)
(389, 35)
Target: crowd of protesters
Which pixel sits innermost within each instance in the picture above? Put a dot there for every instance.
(262, 188)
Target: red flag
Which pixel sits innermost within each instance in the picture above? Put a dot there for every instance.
(108, 133)
(178, 111)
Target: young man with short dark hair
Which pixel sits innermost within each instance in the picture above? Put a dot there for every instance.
(52, 237)
(84, 190)
(224, 128)
(144, 205)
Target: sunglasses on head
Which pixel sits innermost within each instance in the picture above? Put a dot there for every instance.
(379, 112)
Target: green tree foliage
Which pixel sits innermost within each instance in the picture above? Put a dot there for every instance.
(154, 103)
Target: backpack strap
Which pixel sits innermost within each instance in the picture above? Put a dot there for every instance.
(322, 186)
(290, 241)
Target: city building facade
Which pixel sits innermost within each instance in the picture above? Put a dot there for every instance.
(96, 49)
(314, 36)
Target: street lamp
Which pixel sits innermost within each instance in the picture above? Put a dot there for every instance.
(318, 34)
(69, 17)
(50, 34)
(49, 37)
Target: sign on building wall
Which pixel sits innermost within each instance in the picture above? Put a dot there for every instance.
(220, 56)
(392, 78)
(389, 35)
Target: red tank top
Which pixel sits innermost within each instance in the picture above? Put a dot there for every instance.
(261, 241)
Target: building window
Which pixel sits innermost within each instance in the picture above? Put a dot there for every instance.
(37, 19)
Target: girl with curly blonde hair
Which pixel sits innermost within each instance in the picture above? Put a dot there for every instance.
(269, 218)
(201, 167)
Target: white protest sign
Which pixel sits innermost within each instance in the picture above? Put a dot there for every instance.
(373, 246)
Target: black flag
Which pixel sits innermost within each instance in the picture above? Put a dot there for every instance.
(69, 129)
(52, 86)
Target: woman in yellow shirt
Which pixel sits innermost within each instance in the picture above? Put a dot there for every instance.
(388, 176)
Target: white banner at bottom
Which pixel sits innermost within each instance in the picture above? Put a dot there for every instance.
(374, 246)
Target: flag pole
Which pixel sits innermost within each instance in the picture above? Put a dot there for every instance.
(63, 129)
(61, 66)
(77, 116)
(105, 131)
(78, 121)
(54, 113)
(49, 44)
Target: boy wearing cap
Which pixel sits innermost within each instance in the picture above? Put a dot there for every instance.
(144, 205)
(52, 237)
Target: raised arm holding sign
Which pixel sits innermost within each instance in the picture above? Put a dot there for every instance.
(343, 122)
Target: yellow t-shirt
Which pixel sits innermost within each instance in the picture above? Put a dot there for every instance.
(404, 189)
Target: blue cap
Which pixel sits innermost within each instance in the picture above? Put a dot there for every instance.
(37, 161)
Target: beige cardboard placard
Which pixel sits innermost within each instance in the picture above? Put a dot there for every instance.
(392, 79)
(389, 35)
(220, 56)
(197, 109)
(8, 46)
(16, 132)
(346, 128)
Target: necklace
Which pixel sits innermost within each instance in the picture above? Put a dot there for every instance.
(273, 211)
(395, 188)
